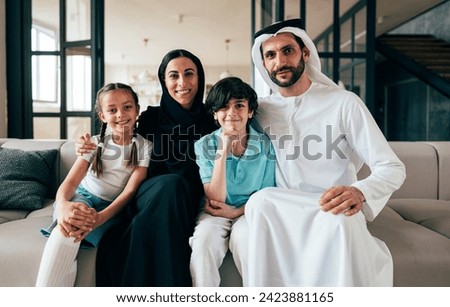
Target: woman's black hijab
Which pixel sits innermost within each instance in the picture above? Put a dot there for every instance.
(179, 128)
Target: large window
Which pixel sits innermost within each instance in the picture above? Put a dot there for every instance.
(45, 69)
(61, 65)
(343, 49)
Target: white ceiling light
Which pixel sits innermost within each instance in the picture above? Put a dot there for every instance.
(226, 73)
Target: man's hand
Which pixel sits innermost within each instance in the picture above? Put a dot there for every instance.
(217, 208)
(346, 199)
(84, 145)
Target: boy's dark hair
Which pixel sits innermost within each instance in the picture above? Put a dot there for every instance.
(228, 88)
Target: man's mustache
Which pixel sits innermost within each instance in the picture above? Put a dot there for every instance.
(284, 68)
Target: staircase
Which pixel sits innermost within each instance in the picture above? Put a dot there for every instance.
(425, 56)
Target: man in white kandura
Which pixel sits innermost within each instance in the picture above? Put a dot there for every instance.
(311, 229)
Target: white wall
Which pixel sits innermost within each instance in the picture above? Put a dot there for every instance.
(126, 74)
(149, 92)
(3, 118)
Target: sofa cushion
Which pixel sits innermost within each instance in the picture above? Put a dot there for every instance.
(421, 256)
(34, 145)
(24, 177)
(12, 215)
(430, 213)
(47, 209)
(21, 250)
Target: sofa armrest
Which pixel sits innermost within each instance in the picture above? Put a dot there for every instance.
(67, 159)
(443, 155)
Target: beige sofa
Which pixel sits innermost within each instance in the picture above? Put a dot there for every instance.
(415, 225)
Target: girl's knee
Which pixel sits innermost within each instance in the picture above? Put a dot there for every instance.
(57, 237)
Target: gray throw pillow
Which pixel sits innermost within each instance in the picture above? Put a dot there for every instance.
(24, 177)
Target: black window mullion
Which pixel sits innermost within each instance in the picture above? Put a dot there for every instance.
(62, 50)
(97, 55)
(18, 68)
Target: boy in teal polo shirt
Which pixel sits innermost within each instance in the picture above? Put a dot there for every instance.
(235, 161)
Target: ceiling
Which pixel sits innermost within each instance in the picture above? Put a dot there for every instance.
(202, 26)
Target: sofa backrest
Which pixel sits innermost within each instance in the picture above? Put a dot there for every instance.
(2, 141)
(421, 164)
(427, 165)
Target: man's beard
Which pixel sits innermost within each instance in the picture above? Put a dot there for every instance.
(295, 71)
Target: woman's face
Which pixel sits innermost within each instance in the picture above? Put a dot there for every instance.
(181, 79)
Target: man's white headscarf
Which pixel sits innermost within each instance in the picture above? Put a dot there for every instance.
(312, 66)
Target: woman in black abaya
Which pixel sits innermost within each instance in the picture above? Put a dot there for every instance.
(151, 246)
